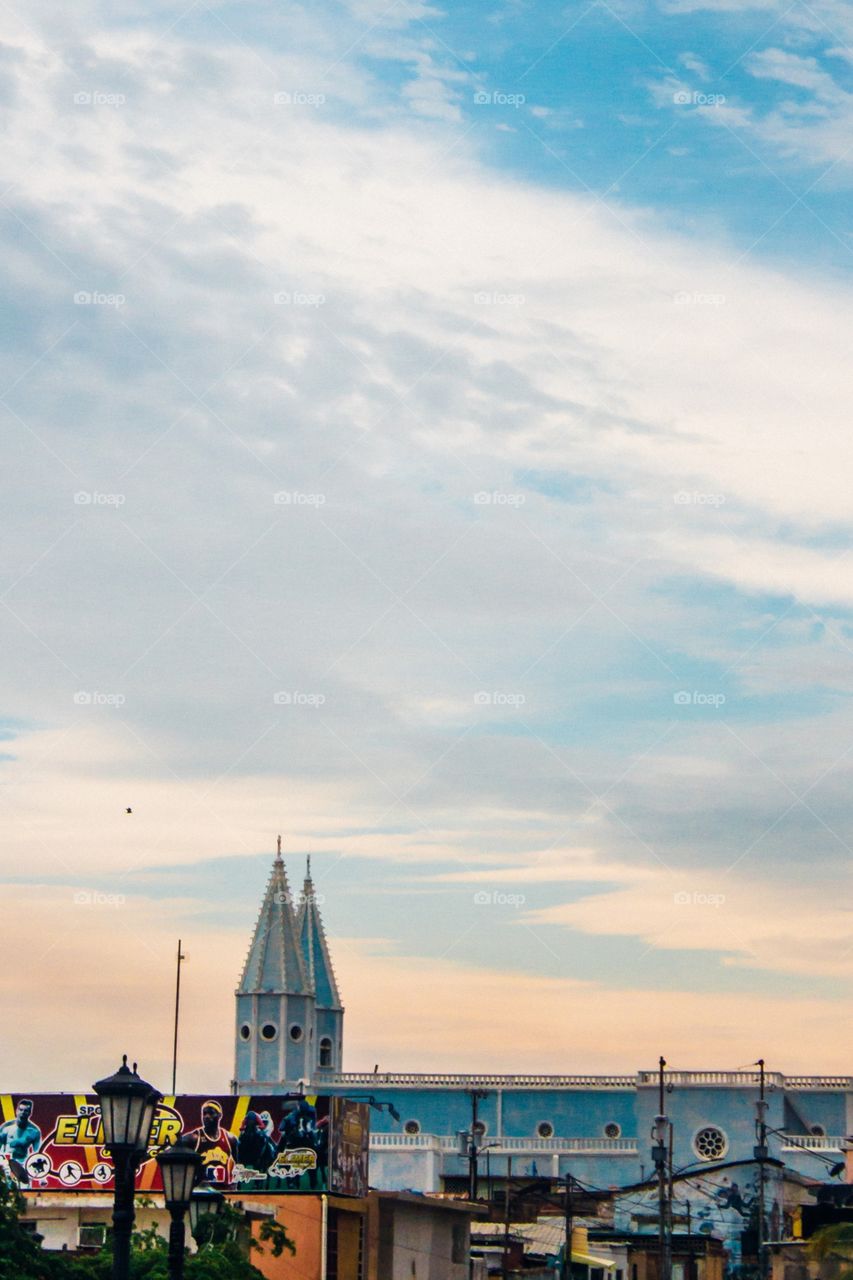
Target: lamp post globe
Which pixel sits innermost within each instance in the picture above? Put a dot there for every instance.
(205, 1201)
(180, 1165)
(128, 1104)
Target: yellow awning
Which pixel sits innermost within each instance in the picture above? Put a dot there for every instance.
(590, 1260)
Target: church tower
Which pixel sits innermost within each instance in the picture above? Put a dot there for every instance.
(277, 1040)
(329, 1013)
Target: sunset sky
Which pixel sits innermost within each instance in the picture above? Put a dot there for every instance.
(427, 435)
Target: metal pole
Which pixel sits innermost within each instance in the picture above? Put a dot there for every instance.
(181, 957)
(505, 1266)
(567, 1251)
(472, 1149)
(124, 1178)
(761, 1155)
(664, 1254)
(176, 1245)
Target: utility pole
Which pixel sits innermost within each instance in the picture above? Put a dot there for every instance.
(181, 957)
(660, 1134)
(567, 1251)
(505, 1265)
(760, 1153)
(473, 1150)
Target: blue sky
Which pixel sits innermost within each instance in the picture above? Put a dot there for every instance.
(426, 436)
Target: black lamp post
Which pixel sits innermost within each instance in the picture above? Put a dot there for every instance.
(179, 1169)
(128, 1104)
(205, 1200)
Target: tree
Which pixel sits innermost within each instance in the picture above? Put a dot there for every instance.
(833, 1246)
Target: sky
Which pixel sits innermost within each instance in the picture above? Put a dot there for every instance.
(426, 435)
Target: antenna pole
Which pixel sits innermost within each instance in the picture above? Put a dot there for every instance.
(181, 957)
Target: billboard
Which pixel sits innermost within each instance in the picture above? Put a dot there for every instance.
(54, 1142)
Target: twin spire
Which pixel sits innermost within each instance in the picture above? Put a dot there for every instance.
(289, 953)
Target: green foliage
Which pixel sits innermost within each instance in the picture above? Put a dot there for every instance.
(274, 1231)
(21, 1256)
(834, 1245)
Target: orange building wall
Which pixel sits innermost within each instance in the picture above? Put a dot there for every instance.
(302, 1219)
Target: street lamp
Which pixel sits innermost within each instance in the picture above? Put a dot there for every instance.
(205, 1201)
(179, 1169)
(128, 1104)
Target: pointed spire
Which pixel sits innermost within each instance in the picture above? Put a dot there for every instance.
(275, 960)
(315, 949)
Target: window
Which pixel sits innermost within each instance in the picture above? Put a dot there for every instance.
(269, 1031)
(412, 1127)
(92, 1235)
(613, 1130)
(545, 1129)
(245, 1031)
(296, 1032)
(817, 1131)
(710, 1143)
(480, 1129)
(325, 1052)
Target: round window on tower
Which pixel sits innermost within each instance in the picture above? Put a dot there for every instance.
(710, 1143)
(269, 1031)
(412, 1127)
(545, 1129)
(817, 1131)
(613, 1130)
(245, 1031)
(296, 1032)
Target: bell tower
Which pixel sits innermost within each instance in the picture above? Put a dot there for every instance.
(276, 1031)
(329, 1013)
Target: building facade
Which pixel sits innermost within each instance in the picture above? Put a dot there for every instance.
(595, 1128)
